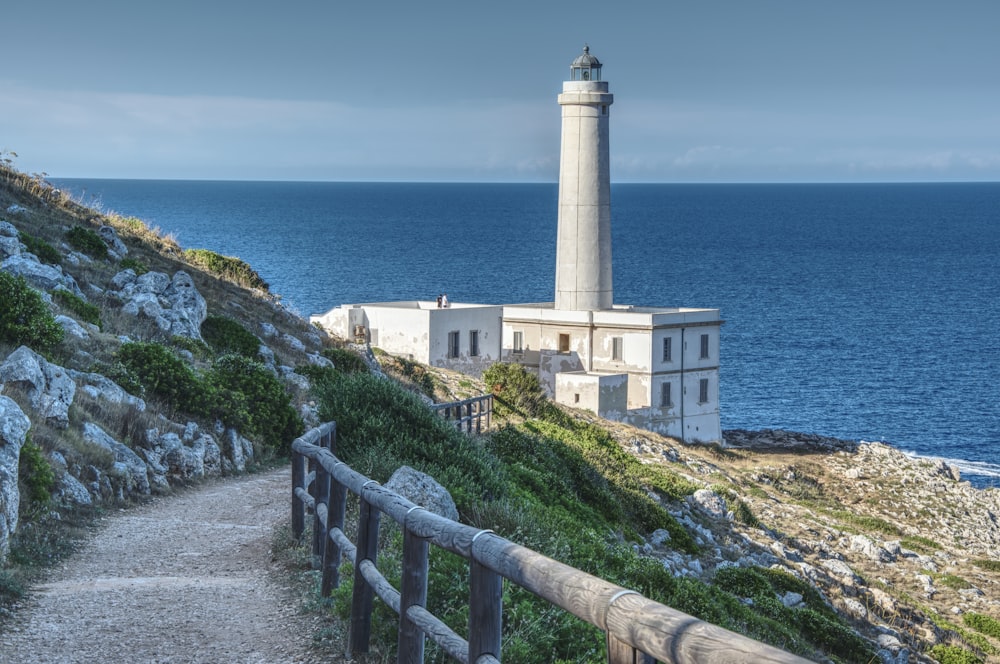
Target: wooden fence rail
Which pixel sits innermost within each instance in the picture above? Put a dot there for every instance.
(470, 415)
(638, 629)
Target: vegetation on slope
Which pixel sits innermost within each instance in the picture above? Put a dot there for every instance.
(566, 489)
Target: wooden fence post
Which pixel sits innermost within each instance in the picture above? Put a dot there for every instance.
(321, 496)
(335, 509)
(413, 592)
(485, 607)
(298, 507)
(364, 594)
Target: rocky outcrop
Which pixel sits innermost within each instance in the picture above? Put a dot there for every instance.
(423, 490)
(14, 426)
(41, 276)
(779, 439)
(49, 386)
(174, 304)
(100, 387)
(127, 464)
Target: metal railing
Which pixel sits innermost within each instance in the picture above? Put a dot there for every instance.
(638, 629)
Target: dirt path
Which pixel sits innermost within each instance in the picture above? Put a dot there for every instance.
(186, 578)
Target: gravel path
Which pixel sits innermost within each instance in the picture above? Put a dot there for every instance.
(185, 578)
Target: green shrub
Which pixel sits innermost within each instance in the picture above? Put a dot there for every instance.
(164, 375)
(953, 655)
(87, 312)
(196, 347)
(987, 625)
(344, 360)
(516, 389)
(229, 268)
(24, 316)
(987, 564)
(87, 241)
(45, 252)
(135, 265)
(249, 396)
(226, 335)
(35, 473)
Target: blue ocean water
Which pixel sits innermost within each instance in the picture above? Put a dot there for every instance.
(862, 311)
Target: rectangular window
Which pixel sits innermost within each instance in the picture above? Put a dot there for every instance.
(563, 343)
(665, 395)
(453, 344)
(704, 346)
(474, 343)
(616, 349)
(518, 342)
(703, 391)
(666, 348)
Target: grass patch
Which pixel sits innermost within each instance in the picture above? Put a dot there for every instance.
(229, 268)
(86, 311)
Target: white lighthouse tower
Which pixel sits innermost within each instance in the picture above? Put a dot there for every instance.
(583, 250)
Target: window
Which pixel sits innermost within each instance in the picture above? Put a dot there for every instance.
(616, 349)
(704, 346)
(473, 343)
(453, 344)
(665, 395)
(563, 343)
(518, 342)
(666, 348)
(703, 391)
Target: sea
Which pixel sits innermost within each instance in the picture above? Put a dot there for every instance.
(860, 311)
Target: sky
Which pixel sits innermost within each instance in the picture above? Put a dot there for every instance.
(330, 90)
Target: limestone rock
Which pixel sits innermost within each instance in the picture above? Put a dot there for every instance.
(423, 490)
(39, 275)
(175, 305)
(129, 464)
(709, 502)
(14, 425)
(110, 237)
(49, 386)
(98, 386)
(72, 328)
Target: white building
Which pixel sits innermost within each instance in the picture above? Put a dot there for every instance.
(655, 368)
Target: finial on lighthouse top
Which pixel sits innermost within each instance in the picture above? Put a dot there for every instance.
(586, 67)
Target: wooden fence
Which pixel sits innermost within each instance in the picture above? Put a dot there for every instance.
(639, 630)
(470, 415)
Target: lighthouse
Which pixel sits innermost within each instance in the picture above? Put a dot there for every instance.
(583, 249)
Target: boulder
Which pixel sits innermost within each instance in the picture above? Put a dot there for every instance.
(110, 237)
(98, 386)
(709, 502)
(14, 425)
(423, 490)
(9, 246)
(39, 275)
(175, 305)
(128, 463)
(49, 386)
(72, 328)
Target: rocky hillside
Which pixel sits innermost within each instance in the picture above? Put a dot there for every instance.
(128, 365)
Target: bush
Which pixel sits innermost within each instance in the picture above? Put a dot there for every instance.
(24, 316)
(516, 390)
(45, 252)
(344, 360)
(85, 310)
(164, 375)
(226, 335)
(87, 241)
(953, 655)
(35, 473)
(248, 396)
(982, 623)
(135, 265)
(227, 267)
